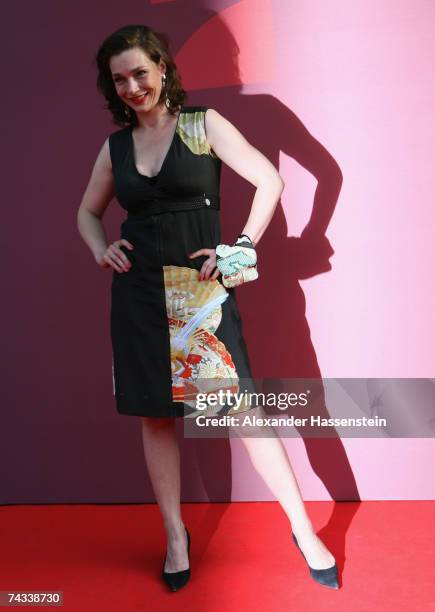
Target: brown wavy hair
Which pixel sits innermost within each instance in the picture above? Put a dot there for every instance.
(156, 46)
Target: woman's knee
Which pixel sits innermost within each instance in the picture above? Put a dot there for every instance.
(157, 423)
(255, 427)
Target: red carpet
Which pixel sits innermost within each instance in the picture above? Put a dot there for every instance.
(108, 558)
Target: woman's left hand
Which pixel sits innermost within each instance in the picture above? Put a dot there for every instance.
(209, 264)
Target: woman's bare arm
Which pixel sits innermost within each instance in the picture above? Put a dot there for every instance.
(235, 151)
(97, 196)
(99, 192)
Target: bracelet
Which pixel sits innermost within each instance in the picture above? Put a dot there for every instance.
(246, 236)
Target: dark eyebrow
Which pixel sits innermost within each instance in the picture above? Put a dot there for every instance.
(115, 74)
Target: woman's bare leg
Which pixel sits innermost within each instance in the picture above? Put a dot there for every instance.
(269, 457)
(162, 456)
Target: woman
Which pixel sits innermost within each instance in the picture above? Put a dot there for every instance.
(174, 319)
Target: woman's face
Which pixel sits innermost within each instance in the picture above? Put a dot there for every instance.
(137, 79)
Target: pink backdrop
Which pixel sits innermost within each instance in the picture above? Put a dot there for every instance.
(322, 89)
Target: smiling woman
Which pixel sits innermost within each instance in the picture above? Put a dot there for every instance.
(147, 68)
(135, 86)
(175, 324)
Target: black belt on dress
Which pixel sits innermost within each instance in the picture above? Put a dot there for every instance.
(162, 205)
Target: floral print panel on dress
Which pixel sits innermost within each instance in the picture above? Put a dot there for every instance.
(200, 362)
(191, 130)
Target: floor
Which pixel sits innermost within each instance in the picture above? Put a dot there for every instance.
(109, 557)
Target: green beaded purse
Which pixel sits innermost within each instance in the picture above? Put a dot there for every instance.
(237, 263)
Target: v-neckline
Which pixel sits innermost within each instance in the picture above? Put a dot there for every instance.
(133, 156)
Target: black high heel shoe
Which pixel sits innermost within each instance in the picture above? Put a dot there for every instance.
(327, 577)
(176, 580)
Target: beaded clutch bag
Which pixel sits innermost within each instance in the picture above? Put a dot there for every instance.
(237, 263)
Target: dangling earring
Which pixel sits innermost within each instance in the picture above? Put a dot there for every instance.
(127, 111)
(167, 101)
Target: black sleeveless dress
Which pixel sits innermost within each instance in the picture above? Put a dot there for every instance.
(170, 332)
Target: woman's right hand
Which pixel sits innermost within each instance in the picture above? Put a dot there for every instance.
(114, 257)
